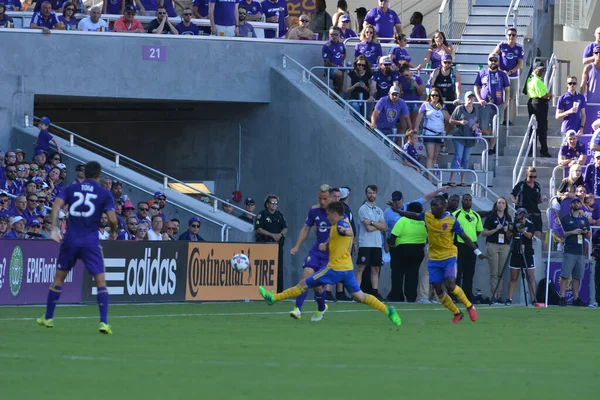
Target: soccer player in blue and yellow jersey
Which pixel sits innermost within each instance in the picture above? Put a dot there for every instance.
(441, 227)
(87, 202)
(339, 269)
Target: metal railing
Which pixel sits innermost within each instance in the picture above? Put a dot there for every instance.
(575, 13)
(554, 76)
(308, 77)
(528, 144)
(122, 160)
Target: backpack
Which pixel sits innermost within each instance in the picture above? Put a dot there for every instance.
(553, 296)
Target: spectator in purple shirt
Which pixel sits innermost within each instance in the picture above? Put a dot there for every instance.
(4, 19)
(68, 17)
(398, 54)
(12, 5)
(245, 29)
(387, 112)
(18, 229)
(438, 48)
(115, 7)
(412, 90)
(572, 151)
(384, 78)
(571, 108)
(55, 5)
(44, 137)
(168, 4)
(253, 10)
(45, 19)
(410, 147)
(588, 53)
(276, 12)
(187, 27)
(418, 31)
(511, 61)
(334, 55)
(223, 15)
(384, 19)
(130, 230)
(147, 7)
(369, 46)
(591, 176)
(343, 24)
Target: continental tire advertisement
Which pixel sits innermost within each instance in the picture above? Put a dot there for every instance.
(145, 271)
(210, 276)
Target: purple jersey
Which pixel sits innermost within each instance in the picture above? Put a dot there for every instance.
(347, 34)
(224, 13)
(150, 5)
(317, 218)
(589, 49)
(389, 112)
(187, 30)
(572, 153)
(593, 85)
(113, 7)
(39, 20)
(253, 8)
(43, 141)
(384, 22)
(55, 4)
(384, 82)
(492, 85)
(334, 52)
(271, 9)
(418, 32)
(510, 56)
(436, 58)
(12, 5)
(202, 6)
(372, 51)
(409, 91)
(400, 55)
(87, 201)
(411, 151)
(565, 103)
(5, 19)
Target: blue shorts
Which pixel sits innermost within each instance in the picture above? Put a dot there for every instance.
(432, 140)
(317, 260)
(91, 256)
(439, 270)
(413, 107)
(333, 71)
(330, 277)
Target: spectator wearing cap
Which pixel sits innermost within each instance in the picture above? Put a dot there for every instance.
(572, 151)
(334, 56)
(3, 224)
(142, 212)
(387, 112)
(245, 29)
(131, 225)
(44, 18)
(361, 13)
(591, 176)
(161, 25)
(448, 80)
(63, 172)
(342, 9)
(369, 46)
(30, 187)
(538, 104)
(301, 32)
(590, 78)
(79, 174)
(511, 56)
(345, 31)
(384, 78)
(418, 31)
(223, 15)
(192, 233)
(249, 206)
(466, 120)
(34, 228)
(438, 48)
(127, 22)
(271, 227)
(276, 12)
(576, 228)
(128, 210)
(161, 199)
(571, 108)
(320, 20)
(153, 210)
(491, 86)
(384, 19)
(155, 230)
(527, 194)
(18, 229)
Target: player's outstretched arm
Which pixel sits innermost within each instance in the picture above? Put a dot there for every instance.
(410, 215)
(56, 206)
(112, 223)
(301, 238)
(472, 245)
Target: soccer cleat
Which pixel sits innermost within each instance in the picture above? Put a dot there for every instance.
(105, 329)
(48, 323)
(268, 296)
(296, 313)
(319, 314)
(472, 313)
(393, 315)
(562, 302)
(424, 301)
(508, 302)
(457, 318)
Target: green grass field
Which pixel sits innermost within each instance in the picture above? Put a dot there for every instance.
(252, 351)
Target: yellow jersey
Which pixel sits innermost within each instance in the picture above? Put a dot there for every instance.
(339, 248)
(440, 233)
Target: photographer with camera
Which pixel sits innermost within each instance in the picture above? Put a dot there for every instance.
(576, 229)
(521, 258)
(527, 194)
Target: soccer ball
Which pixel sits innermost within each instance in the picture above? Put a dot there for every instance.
(240, 262)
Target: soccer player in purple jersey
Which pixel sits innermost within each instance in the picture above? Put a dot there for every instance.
(317, 259)
(87, 201)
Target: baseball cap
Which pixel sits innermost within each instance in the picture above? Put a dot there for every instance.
(45, 120)
(3, 216)
(385, 60)
(493, 55)
(447, 57)
(469, 94)
(597, 154)
(539, 65)
(61, 166)
(116, 182)
(194, 219)
(597, 48)
(18, 151)
(34, 222)
(397, 196)
(521, 211)
(80, 165)
(576, 199)
(249, 200)
(159, 194)
(45, 185)
(128, 204)
(571, 132)
(130, 8)
(17, 219)
(3, 193)
(361, 11)
(394, 89)
(345, 18)
(344, 192)
(38, 152)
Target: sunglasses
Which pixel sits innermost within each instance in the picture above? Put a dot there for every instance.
(395, 94)
(69, 9)
(11, 171)
(154, 208)
(132, 223)
(447, 62)
(532, 176)
(434, 95)
(162, 199)
(597, 52)
(303, 20)
(334, 34)
(189, 14)
(56, 158)
(361, 65)
(240, 13)
(35, 169)
(274, 203)
(571, 83)
(193, 226)
(512, 35)
(493, 60)
(80, 169)
(170, 229)
(142, 230)
(143, 209)
(161, 13)
(368, 32)
(33, 201)
(20, 169)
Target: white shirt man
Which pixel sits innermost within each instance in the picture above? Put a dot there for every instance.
(93, 23)
(154, 233)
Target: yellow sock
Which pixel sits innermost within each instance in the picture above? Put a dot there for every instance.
(448, 303)
(461, 296)
(372, 302)
(289, 293)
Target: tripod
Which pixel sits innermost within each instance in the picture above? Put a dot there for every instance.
(515, 244)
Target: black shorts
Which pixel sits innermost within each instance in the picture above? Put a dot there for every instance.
(536, 219)
(369, 256)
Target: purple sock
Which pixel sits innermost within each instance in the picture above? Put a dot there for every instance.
(300, 300)
(321, 300)
(102, 299)
(53, 296)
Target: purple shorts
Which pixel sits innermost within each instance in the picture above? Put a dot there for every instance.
(91, 256)
(317, 260)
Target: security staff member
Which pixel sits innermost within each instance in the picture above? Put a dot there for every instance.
(270, 227)
(470, 221)
(538, 104)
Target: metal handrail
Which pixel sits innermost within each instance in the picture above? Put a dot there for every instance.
(119, 157)
(511, 10)
(427, 41)
(306, 77)
(441, 15)
(531, 145)
(552, 183)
